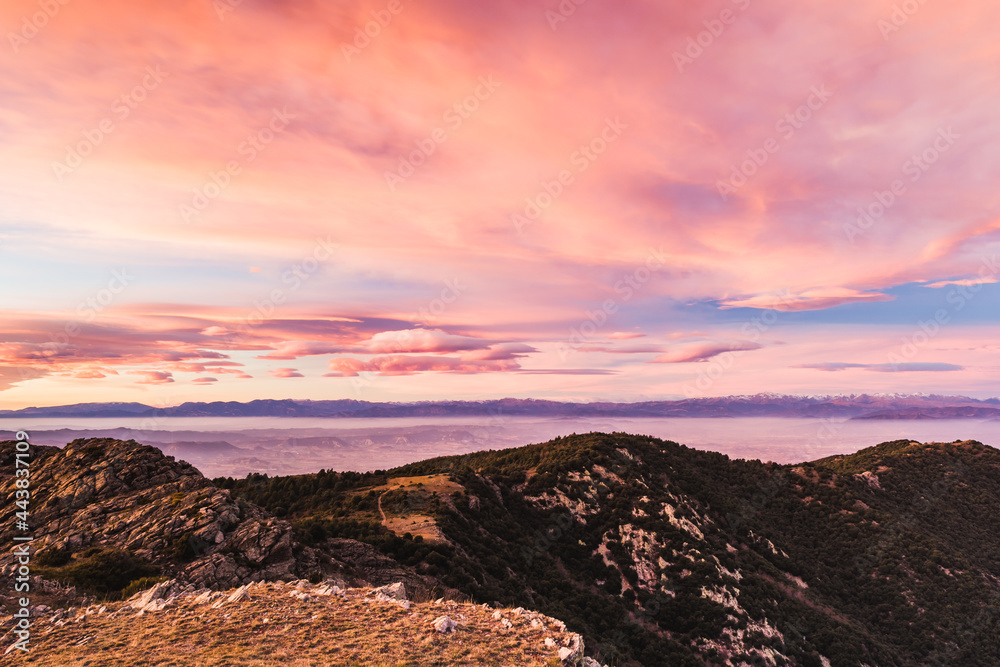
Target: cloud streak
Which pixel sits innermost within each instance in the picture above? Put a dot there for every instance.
(902, 367)
(703, 352)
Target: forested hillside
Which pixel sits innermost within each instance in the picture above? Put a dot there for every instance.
(664, 555)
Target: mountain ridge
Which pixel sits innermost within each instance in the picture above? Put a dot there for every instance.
(653, 552)
(659, 554)
(850, 406)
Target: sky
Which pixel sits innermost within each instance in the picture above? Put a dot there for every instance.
(580, 200)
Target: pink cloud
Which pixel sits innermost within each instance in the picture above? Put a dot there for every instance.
(411, 341)
(291, 350)
(409, 365)
(384, 342)
(901, 367)
(153, 377)
(204, 380)
(677, 335)
(421, 341)
(215, 366)
(620, 349)
(434, 268)
(703, 352)
(832, 366)
(813, 299)
(566, 371)
(498, 352)
(624, 335)
(285, 373)
(176, 341)
(10, 376)
(965, 282)
(89, 375)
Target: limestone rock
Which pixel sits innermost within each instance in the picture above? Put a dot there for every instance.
(396, 591)
(444, 624)
(121, 495)
(240, 593)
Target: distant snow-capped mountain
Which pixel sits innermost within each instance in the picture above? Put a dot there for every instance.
(869, 406)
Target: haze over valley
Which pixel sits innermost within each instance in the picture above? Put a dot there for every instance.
(784, 429)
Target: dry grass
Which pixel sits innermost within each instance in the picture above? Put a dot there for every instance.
(417, 523)
(440, 484)
(274, 629)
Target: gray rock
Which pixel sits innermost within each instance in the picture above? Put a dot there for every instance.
(114, 494)
(444, 624)
(396, 591)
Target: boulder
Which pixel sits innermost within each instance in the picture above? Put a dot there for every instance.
(444, 624)
(396, 591)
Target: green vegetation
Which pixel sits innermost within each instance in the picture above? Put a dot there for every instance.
(887, 557)
(345, 505)
(102, 572)
(53, 557)
(298, 495)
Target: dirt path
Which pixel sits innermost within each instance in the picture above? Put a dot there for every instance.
(384, 520)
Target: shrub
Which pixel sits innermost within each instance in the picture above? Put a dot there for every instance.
(53, 558)
(104, 572)
(184, 550)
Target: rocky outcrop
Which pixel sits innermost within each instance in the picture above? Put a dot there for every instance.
(366, 564)
(121, 495)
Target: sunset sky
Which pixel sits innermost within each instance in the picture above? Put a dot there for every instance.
(403, 200)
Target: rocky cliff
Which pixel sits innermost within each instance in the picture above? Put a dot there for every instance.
(212, 576)
(97, 498)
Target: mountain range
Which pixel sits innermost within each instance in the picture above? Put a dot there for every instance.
(863, 406)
